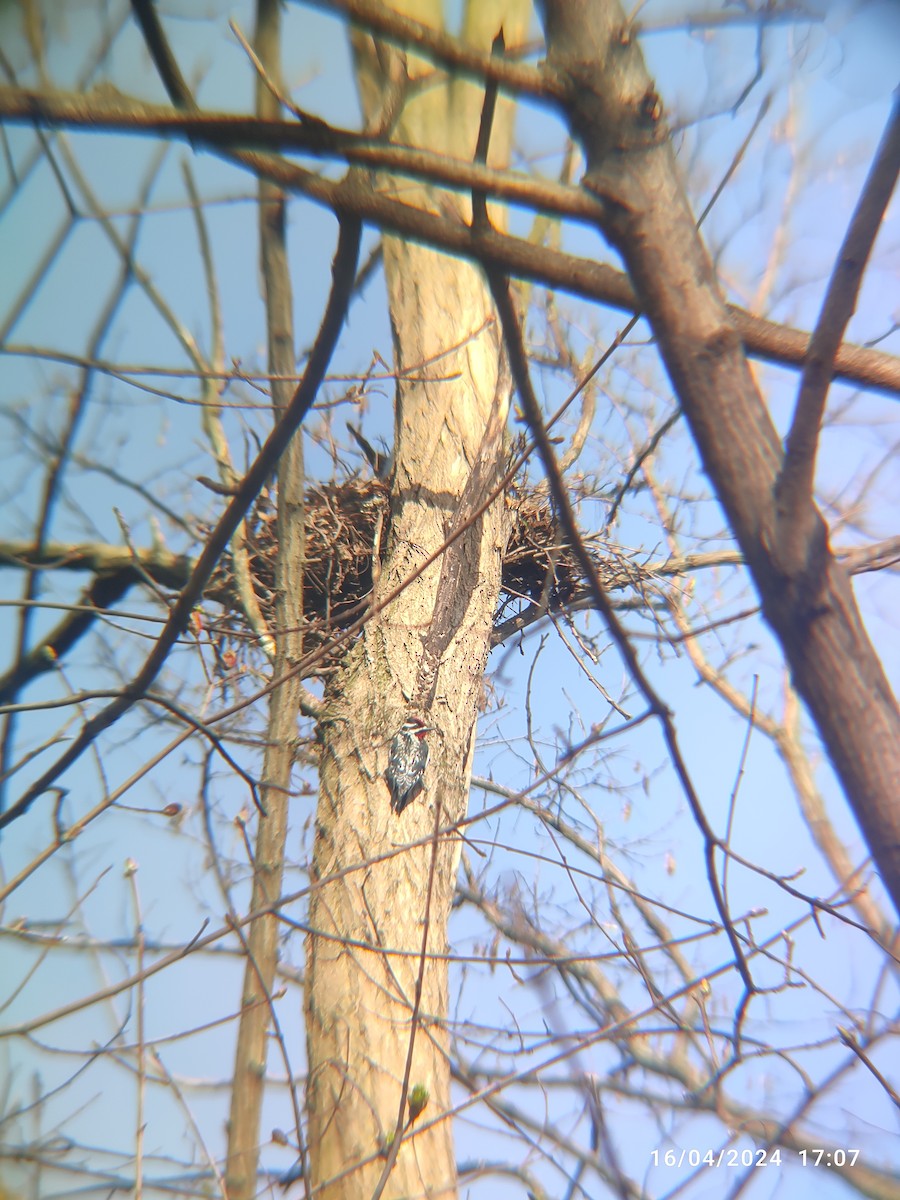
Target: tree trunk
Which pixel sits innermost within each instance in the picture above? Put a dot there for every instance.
(806, 595)
(262, 938)
(375, 1008)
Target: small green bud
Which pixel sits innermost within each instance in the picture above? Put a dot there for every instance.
(418, 1100)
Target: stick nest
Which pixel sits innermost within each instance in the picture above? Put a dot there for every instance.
(540, 573)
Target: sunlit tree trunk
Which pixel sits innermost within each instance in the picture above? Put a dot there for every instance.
(375, 1009)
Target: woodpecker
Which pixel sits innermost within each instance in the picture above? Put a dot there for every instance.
(406, 763)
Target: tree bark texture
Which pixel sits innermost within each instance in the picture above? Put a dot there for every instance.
(380, 901)
(806, 595)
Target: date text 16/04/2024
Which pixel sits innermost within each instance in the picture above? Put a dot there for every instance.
(731, 1156)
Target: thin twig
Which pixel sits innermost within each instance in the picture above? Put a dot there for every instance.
(519, 364)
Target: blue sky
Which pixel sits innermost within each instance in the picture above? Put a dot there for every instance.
(830, 83)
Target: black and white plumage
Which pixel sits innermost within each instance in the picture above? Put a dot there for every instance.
(406, 763)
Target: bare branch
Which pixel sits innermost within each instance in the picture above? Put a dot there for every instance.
(794, 486)
(518, 362)
(515, 256)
